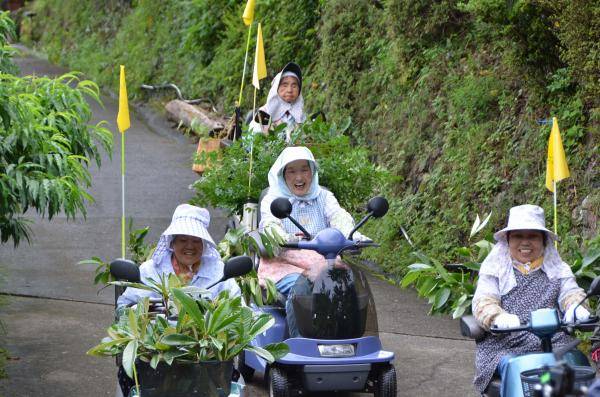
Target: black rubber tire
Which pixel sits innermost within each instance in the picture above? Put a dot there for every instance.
(279, 385)
(246, 371)
(386, 381)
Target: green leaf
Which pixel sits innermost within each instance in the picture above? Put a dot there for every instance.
(129, 356)
(133, 325)
(261, 324)
(190, 307)
(409, 279)
(178, 340)
(419, 266)
(261, 353)
(154, 361)
(278, 350)
(428, 285)
(592, 256)
(441, 297)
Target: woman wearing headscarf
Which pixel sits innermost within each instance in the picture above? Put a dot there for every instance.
(522, 273)
(284, 103)
(295, 176)
(186, 249)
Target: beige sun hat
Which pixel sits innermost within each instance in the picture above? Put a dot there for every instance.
(525, 217)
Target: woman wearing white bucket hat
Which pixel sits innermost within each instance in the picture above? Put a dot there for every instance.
(186, 249)
(522, 273)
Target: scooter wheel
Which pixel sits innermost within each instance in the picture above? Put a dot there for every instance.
(246, 371)
(279, 385)
(386, 382)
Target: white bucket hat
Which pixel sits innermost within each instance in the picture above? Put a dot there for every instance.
(525, 217)
(187, 220)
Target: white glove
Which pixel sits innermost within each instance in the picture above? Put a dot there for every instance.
(507, 320)
(581, 313)
(360, 237)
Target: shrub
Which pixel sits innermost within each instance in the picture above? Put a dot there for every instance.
(46, 145)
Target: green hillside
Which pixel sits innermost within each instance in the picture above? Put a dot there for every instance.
(446, 93)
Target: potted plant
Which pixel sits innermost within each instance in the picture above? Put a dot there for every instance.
(190, 354)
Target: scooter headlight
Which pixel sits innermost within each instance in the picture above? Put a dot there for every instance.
(345, 350)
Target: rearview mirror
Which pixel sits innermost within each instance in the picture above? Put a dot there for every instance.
(125, 270)
(378, 206)
(281, 208)
(237, 266)
(594, 289)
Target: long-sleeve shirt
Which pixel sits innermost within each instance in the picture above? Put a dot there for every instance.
(314, 215)
(210, 271)
(487, 298)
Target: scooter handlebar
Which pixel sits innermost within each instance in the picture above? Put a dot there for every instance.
(496, 330)
(289, 245)
(586, 325)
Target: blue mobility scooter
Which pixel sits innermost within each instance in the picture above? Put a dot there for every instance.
(339, 348)
(564, 372)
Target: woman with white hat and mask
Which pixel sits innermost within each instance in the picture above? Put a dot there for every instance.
(522, 273)
(285, 103)
(186, 249)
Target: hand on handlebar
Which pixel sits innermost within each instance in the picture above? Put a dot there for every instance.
(579, 312)
(506, 321)
(357, 236)
(339, 264)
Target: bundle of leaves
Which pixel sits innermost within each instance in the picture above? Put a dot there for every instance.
(139, 252)
(204, 331)
(240, 172)
(241, 241)
(46, 145)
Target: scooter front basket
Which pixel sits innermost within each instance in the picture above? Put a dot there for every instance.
(584, 376)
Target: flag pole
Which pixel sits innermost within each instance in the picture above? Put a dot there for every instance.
(123, 196)
(555, 216)
(123, 123)
(245, 62)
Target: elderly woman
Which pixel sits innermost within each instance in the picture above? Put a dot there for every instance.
(284, 103)
(294, 175)
(522, 273)
(186, 249)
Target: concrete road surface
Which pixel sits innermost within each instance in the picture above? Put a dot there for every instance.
(53, 313)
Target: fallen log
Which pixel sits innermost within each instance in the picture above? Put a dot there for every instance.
(184, 113)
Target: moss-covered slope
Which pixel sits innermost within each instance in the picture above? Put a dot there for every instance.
(447, 93)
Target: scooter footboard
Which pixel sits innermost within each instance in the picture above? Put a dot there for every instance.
(343, 377)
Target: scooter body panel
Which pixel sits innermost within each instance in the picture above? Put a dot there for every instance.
(305, 351)
(511, 384)
(320, 373)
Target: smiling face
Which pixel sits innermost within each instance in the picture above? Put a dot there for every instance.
(288, 90)
(298, 177)
(187, 249)
(525, 245)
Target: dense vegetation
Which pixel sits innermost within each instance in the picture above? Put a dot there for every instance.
(46, 143)
(447, 93)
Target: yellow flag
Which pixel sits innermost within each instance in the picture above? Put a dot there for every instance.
(123, 116)
(260, 65)
(248, 16)
(556, 167)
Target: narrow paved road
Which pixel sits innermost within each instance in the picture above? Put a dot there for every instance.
(54, 313)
